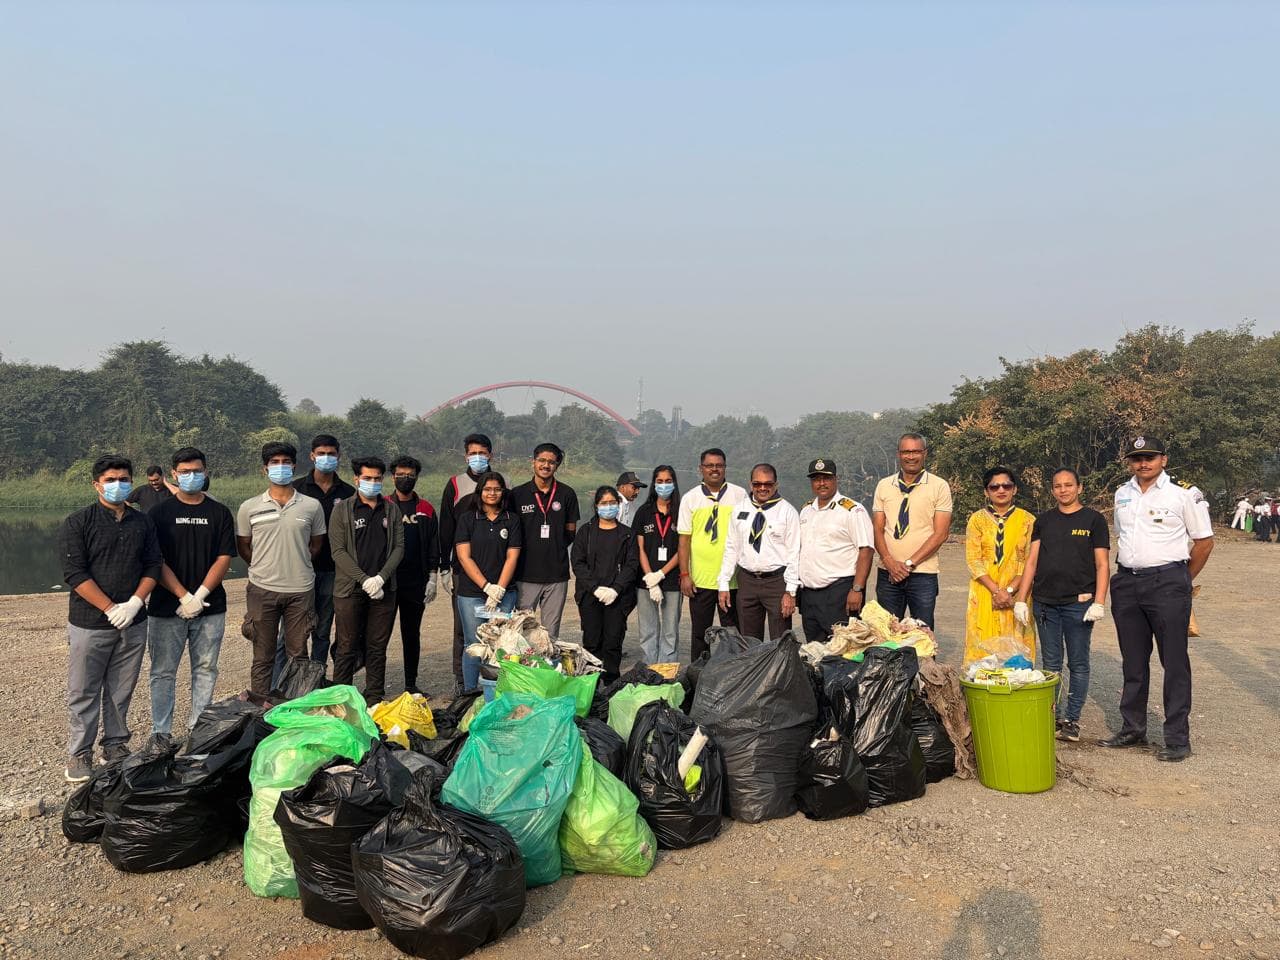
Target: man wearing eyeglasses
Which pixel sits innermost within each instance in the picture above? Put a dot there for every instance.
(1155, 517)
(911, 515)
(763, 554)
(548, 512)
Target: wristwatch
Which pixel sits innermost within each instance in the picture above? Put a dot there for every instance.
(1010, 591)
(909, 564)
(858, 589)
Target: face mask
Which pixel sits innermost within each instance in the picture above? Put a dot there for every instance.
(406, 484)
(607, 511)
(280, 473)
(477, 463)
(370, 488)
(664, 490)
(326, 463)
(116, 491)
(191, 482)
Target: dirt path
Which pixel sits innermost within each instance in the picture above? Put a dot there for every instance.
(1186, 864)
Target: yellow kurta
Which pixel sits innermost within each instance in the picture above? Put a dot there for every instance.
(982, 621)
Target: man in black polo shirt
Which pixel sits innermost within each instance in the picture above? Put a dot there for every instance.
(417, 577)
(111, 560)
(548, 517)
(367, 539)
(155, 491)
(323, 483)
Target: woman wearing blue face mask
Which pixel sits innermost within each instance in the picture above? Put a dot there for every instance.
(658, 598)
(605, 567)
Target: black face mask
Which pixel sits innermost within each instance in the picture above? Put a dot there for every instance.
(406, 484)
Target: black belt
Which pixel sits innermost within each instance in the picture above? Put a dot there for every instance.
(766, 575)
(1146, 570)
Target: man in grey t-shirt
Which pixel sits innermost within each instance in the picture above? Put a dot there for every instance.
(277, 535)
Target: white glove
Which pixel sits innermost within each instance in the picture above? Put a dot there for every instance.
(379, 595)
(491, 604)
(190, 606)
(122, 614)
(373, 587)
(1021, 613)
(653, 579)
(606, 595)
(494, 592)
(1095, 613)
(446, 580)
(655, 594)
(433, 585)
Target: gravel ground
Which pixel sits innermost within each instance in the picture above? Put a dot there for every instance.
(1149, 859)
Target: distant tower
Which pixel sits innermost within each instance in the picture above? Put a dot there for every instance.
(677, 418)
(640, 401)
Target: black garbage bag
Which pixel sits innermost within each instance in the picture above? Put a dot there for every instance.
(833, 782)
(320, 820)
(871, 705)
(939, 752)
(168, 811)
(640, 674)
(755, 699)
(438, 882)
(606, 746)
(678, 817)
(689, 674)
(299, 677)
(236, 725)
(443, 750)
(82, 816)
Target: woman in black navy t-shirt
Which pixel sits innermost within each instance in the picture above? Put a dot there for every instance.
(487, 544)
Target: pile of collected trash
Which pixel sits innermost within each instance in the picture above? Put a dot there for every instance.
(430, 824)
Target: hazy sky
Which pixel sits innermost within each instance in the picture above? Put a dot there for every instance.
(784, 207)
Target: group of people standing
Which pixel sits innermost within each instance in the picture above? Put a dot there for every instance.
(322, 552)
(1263, 516)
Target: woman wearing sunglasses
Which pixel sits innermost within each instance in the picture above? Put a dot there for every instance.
(996, 546)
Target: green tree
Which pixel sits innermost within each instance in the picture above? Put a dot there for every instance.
(372, 430)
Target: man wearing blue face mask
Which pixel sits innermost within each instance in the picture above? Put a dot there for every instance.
(111, 560)
(189, 607)
(277, 535)
(457, 499)
(322, 483)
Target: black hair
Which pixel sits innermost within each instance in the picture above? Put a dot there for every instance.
(112, 461)
(479, 438)
(485, 478)
(765, 466)
(186, 455)
(550, 448)
(154, 470)
(674, 502)
(601, 491)
(325, 440)
(278, 448)
(404, 460)
(363, 463)
(1070, 470)
(998, 471)
(915, 436)
(712, 452)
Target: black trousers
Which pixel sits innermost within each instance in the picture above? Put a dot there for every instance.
(410, 605)
(823, 608)
(703, 608)
(357, 616)
(602, 631)
(1146, 606)
(760, 600)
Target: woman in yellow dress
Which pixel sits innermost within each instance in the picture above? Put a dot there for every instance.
(996, 546)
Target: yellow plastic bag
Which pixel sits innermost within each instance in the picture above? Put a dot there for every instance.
(409, 711)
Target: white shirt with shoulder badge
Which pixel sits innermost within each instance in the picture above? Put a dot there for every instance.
(779, 543)
(1153, 528)
(830, 539)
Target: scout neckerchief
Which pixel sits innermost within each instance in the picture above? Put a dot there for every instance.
(757, 524)
(713, 521)
(1000, 519)
(904, 514)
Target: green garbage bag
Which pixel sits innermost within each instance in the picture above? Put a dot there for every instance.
(547, 682)
(602, 830)
(517, 769)
(310, 731)
(626, 703)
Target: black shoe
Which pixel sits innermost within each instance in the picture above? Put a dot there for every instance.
(1173, 754)
(412, 688)
(1125, 739)
(115, 753)
(159, 743)
(1069, 730)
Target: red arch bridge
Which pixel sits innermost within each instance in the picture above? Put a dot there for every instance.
(540, 384)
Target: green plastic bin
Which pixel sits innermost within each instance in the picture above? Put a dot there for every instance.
(1013, 735)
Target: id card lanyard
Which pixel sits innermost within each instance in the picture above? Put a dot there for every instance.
(545, 533)
(662, 533)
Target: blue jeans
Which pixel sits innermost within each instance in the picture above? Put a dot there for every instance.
(320, 636)
(1060, 624)
(919, 592)
(659, 630)
(167, 637)
(472, 613)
